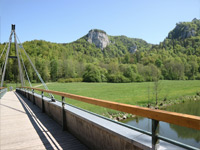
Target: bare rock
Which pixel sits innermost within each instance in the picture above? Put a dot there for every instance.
(99, 38)
(133, 49)
(124, 117)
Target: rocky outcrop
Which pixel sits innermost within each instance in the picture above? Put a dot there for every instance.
(185, 30)
(186, 33)
(133, 49)
(99, 38)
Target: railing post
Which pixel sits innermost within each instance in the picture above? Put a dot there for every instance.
(63, 113)
(155, 140)
(43, 110)
(28, 95)
(25, 92)
(52, 99)
(33, 96)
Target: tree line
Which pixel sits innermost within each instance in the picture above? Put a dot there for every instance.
(172, 59)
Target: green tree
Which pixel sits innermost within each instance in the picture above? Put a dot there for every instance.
(54, 70)
(92, 74)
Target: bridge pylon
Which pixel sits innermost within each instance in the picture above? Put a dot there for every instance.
(13, 57)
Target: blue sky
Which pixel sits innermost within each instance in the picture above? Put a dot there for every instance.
(64, 21)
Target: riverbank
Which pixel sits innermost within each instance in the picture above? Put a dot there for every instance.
(163, 105)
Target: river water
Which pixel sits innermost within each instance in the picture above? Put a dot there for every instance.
(178, 133)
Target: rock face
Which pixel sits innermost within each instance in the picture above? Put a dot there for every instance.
(187, 32)
(133, 49)
(99, 38)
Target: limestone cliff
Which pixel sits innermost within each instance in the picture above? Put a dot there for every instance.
(98, 37)
(185, 30)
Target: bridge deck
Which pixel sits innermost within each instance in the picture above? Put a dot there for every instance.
(24, 126)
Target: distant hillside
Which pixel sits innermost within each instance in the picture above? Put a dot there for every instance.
(98, 57)
(129, 44)
(184, 38)
(114, 46)
(185, 30)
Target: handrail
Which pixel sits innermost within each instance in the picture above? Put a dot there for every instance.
(185, 120)
(2, 88)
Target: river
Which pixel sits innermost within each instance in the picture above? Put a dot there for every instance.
(178, 133)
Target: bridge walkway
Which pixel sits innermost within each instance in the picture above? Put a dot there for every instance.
(24, 126)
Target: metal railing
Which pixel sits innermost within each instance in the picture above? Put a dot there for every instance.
(3, 90)
(184, 120)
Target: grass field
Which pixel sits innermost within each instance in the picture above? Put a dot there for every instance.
(128, 93)
(14, 85)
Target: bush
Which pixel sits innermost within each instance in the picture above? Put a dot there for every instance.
(139, 78)
(33, 81)
(94, 74)
(7, 81)
(68, 80)
(117, 78)
(128, 73)
(197, 77)
(61, 80)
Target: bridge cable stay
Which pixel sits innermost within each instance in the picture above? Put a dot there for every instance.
(24, 67)
(7, 56)
(3, 50)
(1, 71)
(19, 62)
(42, 81)
(6, 60)
(19, 46)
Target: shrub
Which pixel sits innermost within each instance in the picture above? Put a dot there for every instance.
(197, 77)
(61, 80)
(128, 73)
(117, 78)
(68, 80)
(139, 78)
(73, 80)
(33, 81)
(94, 74)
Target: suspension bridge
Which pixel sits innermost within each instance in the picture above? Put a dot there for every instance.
(31, 120)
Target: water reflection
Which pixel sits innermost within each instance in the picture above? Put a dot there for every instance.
(178, 133)
(186, 133)
(189, 107)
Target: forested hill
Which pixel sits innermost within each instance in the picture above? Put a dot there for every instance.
(184, 38)
(185, 30)
(98, 57)
(83, 50)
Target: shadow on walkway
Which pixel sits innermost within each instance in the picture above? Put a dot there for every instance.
(12, 108)
(49, 131)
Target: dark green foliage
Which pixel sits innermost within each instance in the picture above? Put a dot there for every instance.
(128, 73)
(185, 30)
(54, 69)
(68, 80)
(92, 74)
(123, 60)
(121, 45)
(117, 78)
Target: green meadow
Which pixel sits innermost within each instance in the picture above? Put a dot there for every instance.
(129, 93)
